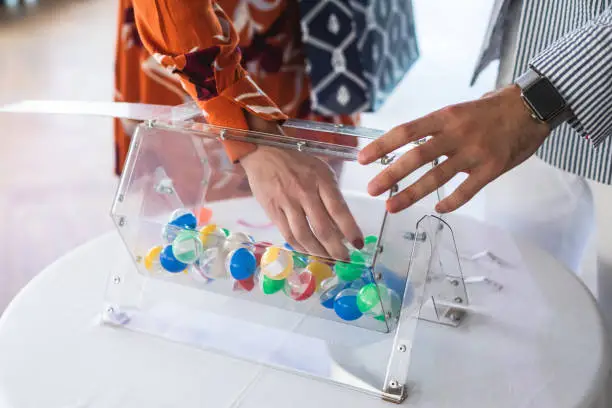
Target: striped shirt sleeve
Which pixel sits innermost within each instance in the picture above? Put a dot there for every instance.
(580, 67)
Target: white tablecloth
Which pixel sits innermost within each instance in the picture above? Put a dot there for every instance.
(538, 343)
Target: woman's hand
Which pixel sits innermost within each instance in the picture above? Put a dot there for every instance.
(300, 194)
(484, 138)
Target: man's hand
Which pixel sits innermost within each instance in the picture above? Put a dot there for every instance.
(300, 194)
(483, 138)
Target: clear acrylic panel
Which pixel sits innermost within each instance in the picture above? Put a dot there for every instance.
(206, 265)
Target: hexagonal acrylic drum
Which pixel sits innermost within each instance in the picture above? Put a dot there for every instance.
(210, 266)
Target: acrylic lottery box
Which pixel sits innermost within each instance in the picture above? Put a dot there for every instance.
(211, 265)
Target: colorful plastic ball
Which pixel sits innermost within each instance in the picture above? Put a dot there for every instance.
(276, 263)
(169, 262)
(187, 246)
(300, 286)
(370, 245)
(226, 232)
(348, 272)
(358, 258)
(241, 264)
(151, 259)
(212, 236)
(238, 240)
(288, 247)
(329, 290)
(369, 298)
(204, 215)
(378, 301)
(370, 240)
(270, 286)
(320, 271)
(178, 213)
(184, 219)
(345, 305)
(244, 285)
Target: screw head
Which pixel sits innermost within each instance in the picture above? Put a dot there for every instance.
(454, 282)
(116, 280)
(458, 300)
(402, 348)
(121, 221)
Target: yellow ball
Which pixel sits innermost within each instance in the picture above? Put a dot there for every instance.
(320, 271)
(211, 235)
(276, 263)
(151, 260)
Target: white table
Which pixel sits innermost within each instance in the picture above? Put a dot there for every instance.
(541, 343)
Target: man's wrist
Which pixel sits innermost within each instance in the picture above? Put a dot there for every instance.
(520, 111)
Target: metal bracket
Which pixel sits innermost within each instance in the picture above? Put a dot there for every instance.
(165, 186)
(395, 392)
(411, 236)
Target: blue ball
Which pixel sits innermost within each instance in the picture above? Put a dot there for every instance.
(329, 296)
(187, 221)
(288, 247)
(345, 305)
(241, 264)
(169, 262)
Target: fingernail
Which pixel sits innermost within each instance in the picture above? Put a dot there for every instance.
(358, 243)
(441, 208)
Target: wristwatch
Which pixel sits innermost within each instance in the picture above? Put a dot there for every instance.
(542, 99)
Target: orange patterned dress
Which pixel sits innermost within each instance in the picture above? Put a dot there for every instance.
(228, 55)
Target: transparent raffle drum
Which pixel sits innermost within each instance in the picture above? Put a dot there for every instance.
(209, 267)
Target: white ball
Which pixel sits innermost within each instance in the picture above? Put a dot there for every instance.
(238, 240)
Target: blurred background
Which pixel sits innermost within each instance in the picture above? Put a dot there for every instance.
(56, 172)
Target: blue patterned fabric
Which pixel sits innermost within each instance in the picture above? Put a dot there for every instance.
(357, 51)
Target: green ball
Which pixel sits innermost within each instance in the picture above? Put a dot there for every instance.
(271, 286)
(392, 304)
(187, 246)
(368, 298)
(358, 258)
(348, 272)
(370, 239)
(226, 232)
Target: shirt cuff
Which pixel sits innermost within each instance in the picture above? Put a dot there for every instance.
(580, 67)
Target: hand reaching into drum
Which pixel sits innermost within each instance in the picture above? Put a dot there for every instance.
(300, 194)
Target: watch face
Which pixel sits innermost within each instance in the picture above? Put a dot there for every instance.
(544, 99)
